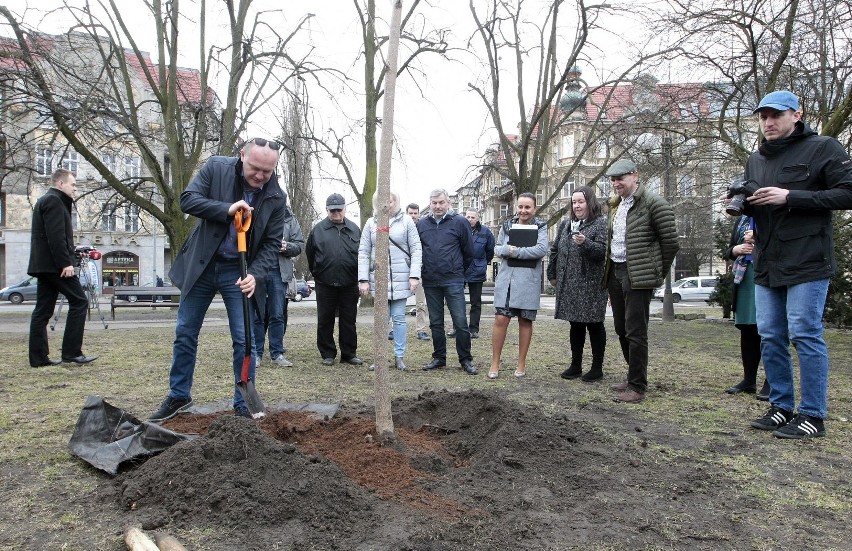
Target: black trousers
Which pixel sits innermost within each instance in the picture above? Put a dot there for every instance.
(475, 292)
(343, 301)
(49, 287)
(630, 311)
(750, 352)
(597, 338)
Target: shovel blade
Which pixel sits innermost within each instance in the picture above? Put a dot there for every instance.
(252, 399)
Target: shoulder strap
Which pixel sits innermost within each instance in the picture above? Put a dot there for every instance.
(408, 254)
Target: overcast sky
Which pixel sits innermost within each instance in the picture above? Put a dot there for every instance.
(441, 127)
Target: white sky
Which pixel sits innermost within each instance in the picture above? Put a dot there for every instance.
(440, 133)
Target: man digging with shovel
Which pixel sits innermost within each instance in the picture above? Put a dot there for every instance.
(209, 261)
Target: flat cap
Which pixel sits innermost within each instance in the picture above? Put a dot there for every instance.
(620, 168)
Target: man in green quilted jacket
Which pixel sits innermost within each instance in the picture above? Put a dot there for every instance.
(641, 245)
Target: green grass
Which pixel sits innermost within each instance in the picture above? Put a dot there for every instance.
(691, 364)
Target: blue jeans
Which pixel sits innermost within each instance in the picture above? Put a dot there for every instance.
(396, 313)
(218, 276)
(794, 314)
(454, 296)
(276, 314)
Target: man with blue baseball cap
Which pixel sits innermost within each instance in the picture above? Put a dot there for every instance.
(802, 178)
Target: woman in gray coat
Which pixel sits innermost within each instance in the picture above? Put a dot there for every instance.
(517, 289)
(575, 268)
(403, 267)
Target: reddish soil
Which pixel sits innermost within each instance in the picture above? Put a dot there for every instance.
(467, 471)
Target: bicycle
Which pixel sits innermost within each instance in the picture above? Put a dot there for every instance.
(87, 272)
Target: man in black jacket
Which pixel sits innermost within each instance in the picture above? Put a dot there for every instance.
(52, 261)
(802, 178)
(332, 253)
(208, 261)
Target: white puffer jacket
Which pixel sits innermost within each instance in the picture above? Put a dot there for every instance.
(405, 242)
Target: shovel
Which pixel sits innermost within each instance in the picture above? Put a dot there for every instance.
(245, 386)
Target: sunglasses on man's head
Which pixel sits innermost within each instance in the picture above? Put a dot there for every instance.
(261, 142)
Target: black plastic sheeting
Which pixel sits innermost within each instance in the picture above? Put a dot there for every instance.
(106, 436)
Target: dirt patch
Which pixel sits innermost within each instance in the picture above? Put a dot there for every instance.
(468, 469)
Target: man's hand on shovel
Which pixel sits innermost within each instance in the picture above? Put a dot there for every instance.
(242, 221)
(247, 285)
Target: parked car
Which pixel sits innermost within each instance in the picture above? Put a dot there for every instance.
(19, 292)
(689, 288)
(143, 298)
(303, 290)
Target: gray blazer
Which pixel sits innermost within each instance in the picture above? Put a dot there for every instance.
(525, 283)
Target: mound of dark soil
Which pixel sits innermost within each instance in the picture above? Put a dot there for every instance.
(467, 470)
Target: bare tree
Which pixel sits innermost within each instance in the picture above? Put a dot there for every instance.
(416, 39)
(297, 158)
(523, 54)
(104, 93)
(751, 47)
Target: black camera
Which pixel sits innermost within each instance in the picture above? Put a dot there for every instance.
(738, 192)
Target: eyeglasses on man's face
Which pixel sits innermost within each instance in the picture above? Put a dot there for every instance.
(261, 142)
(335, 210)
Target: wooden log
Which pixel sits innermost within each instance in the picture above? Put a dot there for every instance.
(168, 543)
(136, 540)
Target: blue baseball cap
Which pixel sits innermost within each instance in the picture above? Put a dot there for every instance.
(780, 100)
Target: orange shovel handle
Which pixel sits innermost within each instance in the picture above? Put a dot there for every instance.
(242, 225)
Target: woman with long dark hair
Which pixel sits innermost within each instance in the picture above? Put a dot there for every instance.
(575, 268)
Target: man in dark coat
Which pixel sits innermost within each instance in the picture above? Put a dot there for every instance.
(52, 261)
(208, 262)
(447, 253)
(474, 276)
(332, 253)
(802, 177)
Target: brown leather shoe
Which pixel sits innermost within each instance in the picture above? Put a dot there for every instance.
(620, 387)
(630, 396)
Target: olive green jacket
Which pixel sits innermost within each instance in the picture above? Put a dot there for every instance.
(651, 239)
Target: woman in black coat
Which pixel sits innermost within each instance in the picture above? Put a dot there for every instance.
(576, 269)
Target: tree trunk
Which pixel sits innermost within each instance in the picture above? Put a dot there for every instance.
(384, 418)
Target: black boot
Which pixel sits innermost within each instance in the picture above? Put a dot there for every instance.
(742, 386)
(573, 371)
(596, 372)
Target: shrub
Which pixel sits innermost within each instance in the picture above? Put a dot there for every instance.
(723, 293)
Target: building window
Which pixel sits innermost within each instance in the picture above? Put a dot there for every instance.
(131, 218)
(71, 162)
(568, 188)
(108, 159)
(108, 217)
(605, 186)
(685, 186)
(602, 149)
(133, 167)
(655, 184)
(539, 197)
(555, 155)
(75, 217)
(44, 160)
(567, 145)
(504, 211)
